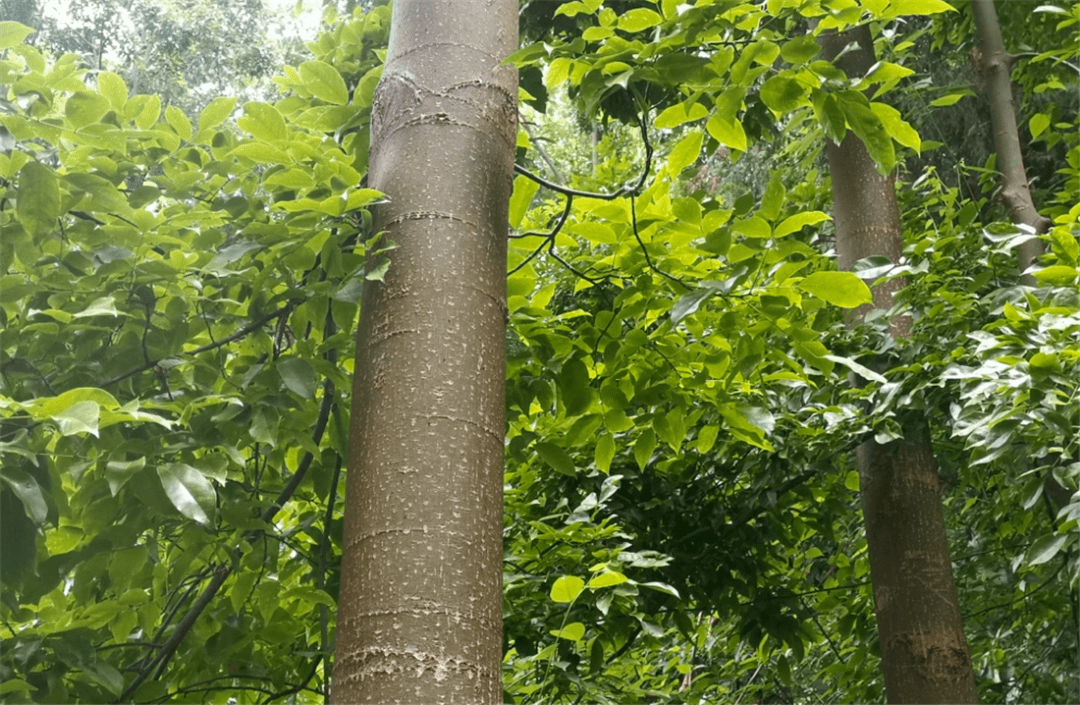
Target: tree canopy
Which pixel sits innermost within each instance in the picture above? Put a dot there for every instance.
(179, 300)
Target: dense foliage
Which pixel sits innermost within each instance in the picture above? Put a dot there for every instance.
(179, 297)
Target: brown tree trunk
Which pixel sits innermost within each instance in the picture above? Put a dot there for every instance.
(924, 654)
(420, 610)
(995, 66)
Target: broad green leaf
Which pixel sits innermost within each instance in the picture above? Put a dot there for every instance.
(783, 94)
(240, 594)
(38, 201)
(800, 50)
(299, 377)
(679, 114)
(639, 19)
(644, 447)
(324, 81)
(574, 388)
(727, 132)
(118, 472)
(1057, 275)
(567, 588)
(607, 579)
(573, 631)
(263, 153)
(264, 122)
(112, 86)
(105, 306)
(706, 438)
(917, 7)
(190, 492)
(753, 227)
(557, 458)
(950, 98)
(661, 587)
(865, 123)
(900, 130)
(81, 417)
(685, 152)
(13, 34)
(27, 489)
(1038, 124)
(797, 222)
(842, 289)
(605, 451)
(179, 122)
(143, 109)
(524, 190)
(84, 107)
(1045, 548)
(216, 112)
(308, 595)
(859, 369)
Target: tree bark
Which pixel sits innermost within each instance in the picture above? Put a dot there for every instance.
(924, 654)
(420, 610)
(995, 64)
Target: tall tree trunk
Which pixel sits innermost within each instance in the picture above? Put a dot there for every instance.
(420, 610)
(995, 66)
(924, 654)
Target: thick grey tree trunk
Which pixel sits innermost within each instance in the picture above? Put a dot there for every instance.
(924, 654)
(420, 610)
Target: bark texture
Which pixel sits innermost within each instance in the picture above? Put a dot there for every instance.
(420, 611)
(924, 654)
(995, 64)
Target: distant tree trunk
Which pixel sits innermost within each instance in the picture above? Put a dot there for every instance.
(924, 654)
(420, 609)
(995, 66)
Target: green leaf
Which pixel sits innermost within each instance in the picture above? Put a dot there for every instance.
(38, 201)
(118, 472)
(706, 438)
(81, 417)
(13, 34)
(727, 132)
(567, 588)
(27, 489)
(190, 492)
(865, 123)
(917, 7)
(639, 19)
(859, 369)
(573, 631)
(264, 122)
(524, 190)
(557, 458)
(1045, 548)
(783, 94)
(896, 126)
(84, 108)
(574, 388)
(179, 122)
(605, 451)
(607, 579)
(112, 86)
(842, 289)
(685, 152)
(644, 447)
(299, 377)
(324, 82)
(661, 587)
(797, 222)
(679, 114)
(216, 112)
(1057, 275)
(1038, 124)
(951, 98)
(800, 50)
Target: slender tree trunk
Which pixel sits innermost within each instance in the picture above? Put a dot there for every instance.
(995, 65)
(420, 610)
(924, 654)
